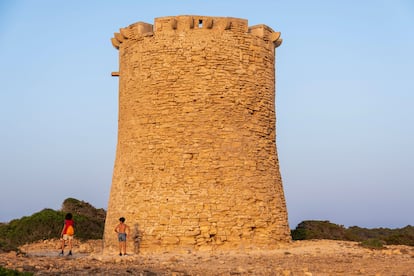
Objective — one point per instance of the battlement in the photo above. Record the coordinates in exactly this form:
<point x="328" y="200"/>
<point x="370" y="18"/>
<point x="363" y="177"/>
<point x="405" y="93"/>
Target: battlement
<point x="184" y="23"/>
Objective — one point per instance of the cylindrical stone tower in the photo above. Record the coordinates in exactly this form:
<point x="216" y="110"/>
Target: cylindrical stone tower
<point x="196" y="163"/>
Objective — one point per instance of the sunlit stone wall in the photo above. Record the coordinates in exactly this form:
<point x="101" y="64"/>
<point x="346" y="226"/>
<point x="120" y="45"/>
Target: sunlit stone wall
<point x="196" y="162"/>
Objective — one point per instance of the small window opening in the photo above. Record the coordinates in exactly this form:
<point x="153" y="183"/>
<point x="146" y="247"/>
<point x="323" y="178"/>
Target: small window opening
<point x="200" y="23"/>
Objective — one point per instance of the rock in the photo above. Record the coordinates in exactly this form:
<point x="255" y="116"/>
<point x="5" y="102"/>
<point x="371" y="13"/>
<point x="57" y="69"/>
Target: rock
<point x="286" y="272"/>
<point x="397" y="252"/>
<point x="241" y="270"/>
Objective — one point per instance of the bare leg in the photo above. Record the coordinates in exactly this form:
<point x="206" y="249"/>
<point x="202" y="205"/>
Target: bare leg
<point x="62" y="246"/>
<point x="70" y="246"/>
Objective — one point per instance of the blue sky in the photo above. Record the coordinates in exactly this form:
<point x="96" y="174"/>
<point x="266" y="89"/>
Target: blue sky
<point x="344" y="97"/>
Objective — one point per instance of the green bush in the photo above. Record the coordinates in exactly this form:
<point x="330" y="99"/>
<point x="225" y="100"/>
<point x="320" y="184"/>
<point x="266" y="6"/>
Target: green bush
<point x="373" y="244"/>
<point x="41" y="225"/>
<point x="313" y="229"/>
<point x="300" y="234"/>
<point x="48" y="223"/>
<point x="406" y="239"/>
<point x="9" y="272"/>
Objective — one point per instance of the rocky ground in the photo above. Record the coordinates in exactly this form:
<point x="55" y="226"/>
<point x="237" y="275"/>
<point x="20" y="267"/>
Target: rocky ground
<point x="319" y="257"/>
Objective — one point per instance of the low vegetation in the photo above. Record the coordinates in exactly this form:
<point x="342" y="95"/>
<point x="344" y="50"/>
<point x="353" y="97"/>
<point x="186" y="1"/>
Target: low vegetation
<point x="10" y="272"/>
<point x="373" y="244"/>
<point x="371" y="238"/>
<point x="48" y="223"/>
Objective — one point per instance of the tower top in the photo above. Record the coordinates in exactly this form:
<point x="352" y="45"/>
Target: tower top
<point x="184" y="23"/>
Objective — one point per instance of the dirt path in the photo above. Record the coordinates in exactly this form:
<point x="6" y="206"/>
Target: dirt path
<point x="321" y="257"/>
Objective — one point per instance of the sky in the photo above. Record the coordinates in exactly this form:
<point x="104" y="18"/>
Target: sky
<point x="344" y="102"/>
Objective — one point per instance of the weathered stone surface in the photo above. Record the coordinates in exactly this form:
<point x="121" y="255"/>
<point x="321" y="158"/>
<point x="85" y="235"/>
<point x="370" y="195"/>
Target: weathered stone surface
<point x="316" y="257"/>
<point x="196" y="163"/>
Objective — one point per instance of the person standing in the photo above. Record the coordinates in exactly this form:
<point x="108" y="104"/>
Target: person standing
<point x="67" y="233"/>
<point x="122" y="229"/>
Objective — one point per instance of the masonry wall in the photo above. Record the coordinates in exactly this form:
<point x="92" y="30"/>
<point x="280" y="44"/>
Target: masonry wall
<point x="196" y="162"/>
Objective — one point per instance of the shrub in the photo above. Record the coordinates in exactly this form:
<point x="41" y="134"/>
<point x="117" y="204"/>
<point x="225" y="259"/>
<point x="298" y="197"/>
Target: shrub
<point x="48" y="223"/>
<point x="373" y="244"/>
<point x="9" y="272"/>
<point x="312" y="229"/>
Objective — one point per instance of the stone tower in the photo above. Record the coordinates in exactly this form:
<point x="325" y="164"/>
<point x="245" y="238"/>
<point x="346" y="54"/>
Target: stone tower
<point x="196" y="162"/>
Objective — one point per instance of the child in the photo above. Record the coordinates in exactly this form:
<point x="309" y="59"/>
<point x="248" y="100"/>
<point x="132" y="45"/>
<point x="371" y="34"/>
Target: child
<point x="67" y="233"/>
<point x="122" y="229"/>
